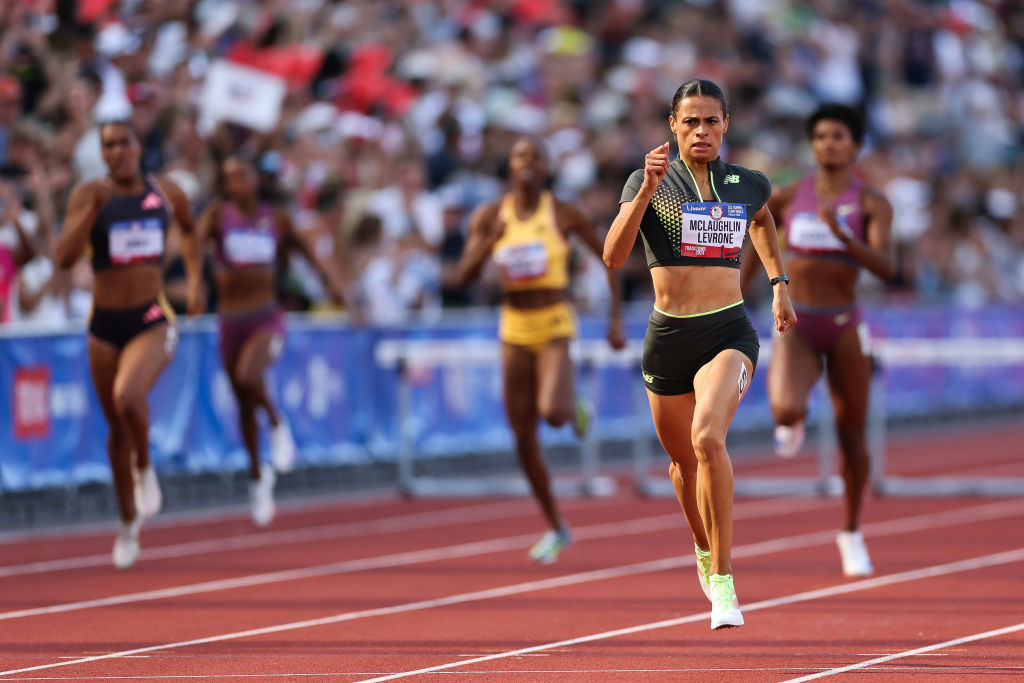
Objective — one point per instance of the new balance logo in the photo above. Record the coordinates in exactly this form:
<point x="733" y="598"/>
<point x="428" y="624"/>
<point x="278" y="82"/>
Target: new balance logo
<point x="731" y="179"/>
<point x="152" y="201"/>
<point x="647" y="378"/>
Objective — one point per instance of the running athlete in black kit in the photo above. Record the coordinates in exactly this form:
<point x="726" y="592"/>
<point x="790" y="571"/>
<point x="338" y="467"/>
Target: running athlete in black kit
<point x="122" y="220"/>
<point x="700" y="349"/>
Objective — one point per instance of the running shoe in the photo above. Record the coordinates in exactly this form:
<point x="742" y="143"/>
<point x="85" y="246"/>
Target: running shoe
<point x="283" y="452"/>
<point x="703" y="569"/>
<point x="148" y="498"/>
<point x="581" y="419"/>
<point x="553" y="542"/>
<point x="126" y="543"/>
<point x="856" y="561"/>
<point x="261" y="497"/>
<point x="725" y="607"/>
<point x="789" y="439"/>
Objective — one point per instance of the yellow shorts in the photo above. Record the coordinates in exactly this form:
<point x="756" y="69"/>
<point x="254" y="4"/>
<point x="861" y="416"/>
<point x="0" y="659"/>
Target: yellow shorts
<point x="533" y="328"/>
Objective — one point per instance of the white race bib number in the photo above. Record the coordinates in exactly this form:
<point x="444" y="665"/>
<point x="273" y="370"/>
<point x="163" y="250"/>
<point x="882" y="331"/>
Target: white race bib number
<point x="247" y="246"/>
<point x="522" y="261"/>
<point x="807" y="231"/>
<point x="713" y="230"/>
<point x="135" y="241"/>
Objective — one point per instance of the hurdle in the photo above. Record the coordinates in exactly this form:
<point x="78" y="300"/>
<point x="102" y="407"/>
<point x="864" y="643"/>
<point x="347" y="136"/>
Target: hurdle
<point x="408" y="355"/>
<point x="919" y="352"/>
<point x="963" y="352"/>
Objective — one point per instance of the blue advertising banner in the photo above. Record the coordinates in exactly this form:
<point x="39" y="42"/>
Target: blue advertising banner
<point x="343" y="401"/>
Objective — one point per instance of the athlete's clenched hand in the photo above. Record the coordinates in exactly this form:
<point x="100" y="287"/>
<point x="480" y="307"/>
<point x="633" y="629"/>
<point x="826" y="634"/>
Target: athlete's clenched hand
<point x="655" y="167"/>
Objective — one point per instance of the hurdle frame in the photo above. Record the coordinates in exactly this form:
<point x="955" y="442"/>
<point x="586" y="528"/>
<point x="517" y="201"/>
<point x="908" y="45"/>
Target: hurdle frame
<point x="404" y="355"/>
<point x="592" y="353"/>
<point x="982" y="352"/>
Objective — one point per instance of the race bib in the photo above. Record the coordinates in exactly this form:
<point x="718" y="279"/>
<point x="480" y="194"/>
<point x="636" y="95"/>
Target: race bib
<point x="522" y="261"/>
<point x="248" y="246"/>
<point x="713" y="230"/>
<point x="136" y="240"/>
<point x="807" y="231"/>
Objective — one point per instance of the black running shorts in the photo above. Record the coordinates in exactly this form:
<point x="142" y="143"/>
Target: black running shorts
<point x="676" y="348"/>
<point x="117" y="327"/>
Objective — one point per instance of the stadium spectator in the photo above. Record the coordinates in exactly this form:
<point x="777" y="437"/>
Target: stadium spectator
<point x="377" y="97"/>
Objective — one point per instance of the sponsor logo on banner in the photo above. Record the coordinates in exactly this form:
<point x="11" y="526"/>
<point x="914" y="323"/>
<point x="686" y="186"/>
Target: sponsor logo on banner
<point x="31" y="402"/>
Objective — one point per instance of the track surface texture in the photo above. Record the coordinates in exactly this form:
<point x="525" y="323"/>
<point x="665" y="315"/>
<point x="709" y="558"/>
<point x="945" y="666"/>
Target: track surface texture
<point x="388" y="589"/>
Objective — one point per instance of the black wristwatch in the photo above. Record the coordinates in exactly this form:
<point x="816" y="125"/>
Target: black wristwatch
<point x="782" y="278"/>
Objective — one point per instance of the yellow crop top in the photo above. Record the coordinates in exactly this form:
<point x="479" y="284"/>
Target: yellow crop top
<point x="533" y="253"/>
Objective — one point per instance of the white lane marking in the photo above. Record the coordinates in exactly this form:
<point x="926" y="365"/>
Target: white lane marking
<point x="910" y="653"/>
<point x="1007" y="557"/>
<point x="515" y="589"/>
<point x="321" y="504"/>
<point x="422" y="520"/>
<point x="324" y="503"/>
<point x="594" y="531"/>
<point x="965" y="670"/>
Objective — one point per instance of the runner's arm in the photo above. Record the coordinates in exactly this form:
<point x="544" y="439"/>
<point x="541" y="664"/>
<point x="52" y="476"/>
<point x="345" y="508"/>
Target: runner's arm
<point x="328" y="273"/>
<point x="876" y="252"/>
<point x="764" y="237"/>
<point x="577" y="222"/>
<point x="483" y="235"/>
<point x="83" y="208"/>
<point x="190" y="252"/>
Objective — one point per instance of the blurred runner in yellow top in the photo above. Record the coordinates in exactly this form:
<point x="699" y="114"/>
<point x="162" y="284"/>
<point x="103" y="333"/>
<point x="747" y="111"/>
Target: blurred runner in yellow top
<point x="526" y="233"/>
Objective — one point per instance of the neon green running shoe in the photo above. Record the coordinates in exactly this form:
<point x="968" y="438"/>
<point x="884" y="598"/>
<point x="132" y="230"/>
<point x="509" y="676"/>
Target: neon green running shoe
<point x="725" y="607"/>
<point x="703" y="569"/>
<point x="553" y="542"/>
<point x="581" y="420"/>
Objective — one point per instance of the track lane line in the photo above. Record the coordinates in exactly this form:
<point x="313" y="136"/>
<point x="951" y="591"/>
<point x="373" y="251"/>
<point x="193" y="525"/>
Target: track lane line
<point x="468" y="514"/>
<point x="591" y="532"/>
<point x="587" y="532"/>
<point x="774" y="545"/>
<point x="910" y="653"/>
<point x="397" y="523"/>
<point x="982" y="562"/>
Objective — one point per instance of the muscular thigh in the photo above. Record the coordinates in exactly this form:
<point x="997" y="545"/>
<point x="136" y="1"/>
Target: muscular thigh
<point x="144" y="358"/>
<point x="555" y="377"/>
<point x="792" y="372"/>
<point x="520" y="378"/>
<point x="103" y="368"/>
<point x="849" y="378"/>
<point x="258" y="352"/>
<point x="673" y="419"/>
<point x="718" y="387"/>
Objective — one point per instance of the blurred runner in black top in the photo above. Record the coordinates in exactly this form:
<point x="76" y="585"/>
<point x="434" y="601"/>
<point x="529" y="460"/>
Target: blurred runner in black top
<point x="122" y="221"/>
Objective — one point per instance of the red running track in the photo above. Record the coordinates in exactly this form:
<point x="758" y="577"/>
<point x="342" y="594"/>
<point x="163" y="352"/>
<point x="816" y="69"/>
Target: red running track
<point x="389" y="590"/>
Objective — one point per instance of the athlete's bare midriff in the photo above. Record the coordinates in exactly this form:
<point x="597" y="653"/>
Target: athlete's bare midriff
<point x="821" y="282"/>
<point x="686" y="290"/>
<point x="534" y="298"/>
<point x="127" y="286"/>
<point x="245" y="289"/>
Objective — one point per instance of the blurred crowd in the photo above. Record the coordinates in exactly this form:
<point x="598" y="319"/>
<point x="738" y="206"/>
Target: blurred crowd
<point x="383" y="123"/>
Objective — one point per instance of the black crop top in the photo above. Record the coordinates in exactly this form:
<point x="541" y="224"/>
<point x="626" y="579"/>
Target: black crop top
<point x="679" y="229"/>
<point x="130" y="229"/>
